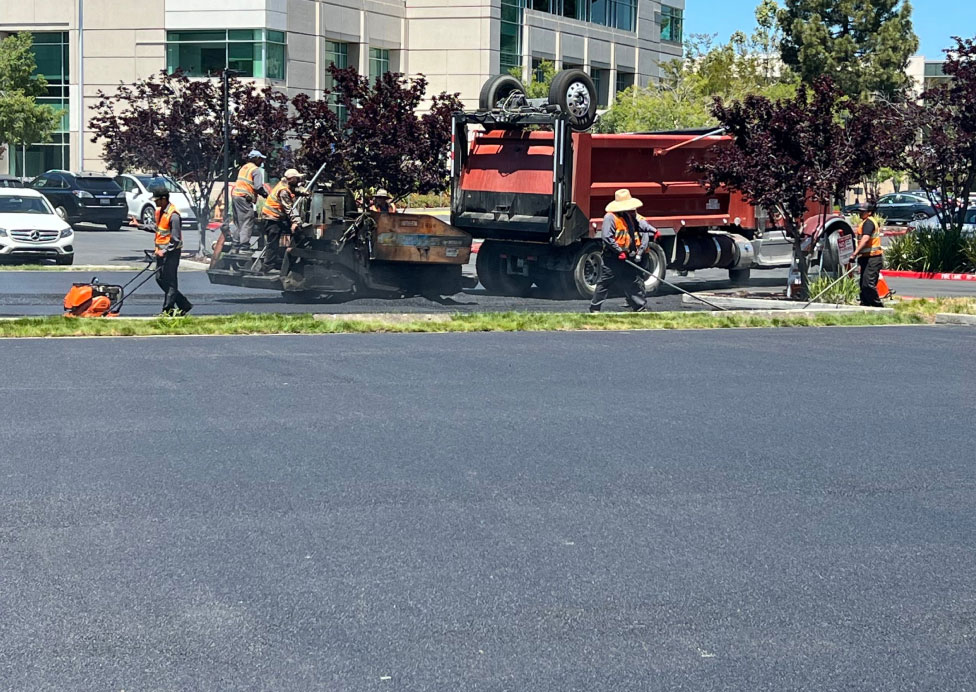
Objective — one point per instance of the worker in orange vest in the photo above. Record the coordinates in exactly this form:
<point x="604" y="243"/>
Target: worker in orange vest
<point x="869" y="254"/>
<point x="626" y="236"/>
<point x="382" y="203"/>
<point x="247" y="189"/>
<point x="169" y="243"/>
<point x="280" y="216"/>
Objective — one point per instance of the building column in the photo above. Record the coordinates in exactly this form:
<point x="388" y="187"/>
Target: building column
<point x="612" y="86"/>
<point x="363" y="66"/>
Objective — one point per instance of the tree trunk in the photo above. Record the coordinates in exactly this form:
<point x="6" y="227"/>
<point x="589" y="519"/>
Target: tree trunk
<point x="801" y="265"/>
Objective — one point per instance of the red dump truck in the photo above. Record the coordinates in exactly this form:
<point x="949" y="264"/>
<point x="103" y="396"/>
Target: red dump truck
<point x="535" y="190"/>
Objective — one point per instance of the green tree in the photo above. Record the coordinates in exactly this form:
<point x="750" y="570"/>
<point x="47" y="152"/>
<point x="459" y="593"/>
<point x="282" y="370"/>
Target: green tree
<point x="863" y="45"/>
<point x="537" y="86"/>
<point x="684" y="95"/>
<point x="22" y="120"/>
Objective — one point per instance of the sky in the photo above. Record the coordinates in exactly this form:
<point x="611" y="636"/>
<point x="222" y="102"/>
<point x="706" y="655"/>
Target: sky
<point x="935" y="20"/>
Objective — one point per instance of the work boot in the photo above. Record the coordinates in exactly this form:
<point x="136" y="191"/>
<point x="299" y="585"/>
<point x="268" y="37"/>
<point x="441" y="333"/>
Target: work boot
<point x="179" y="312"/>
<point x="594" y="309"/>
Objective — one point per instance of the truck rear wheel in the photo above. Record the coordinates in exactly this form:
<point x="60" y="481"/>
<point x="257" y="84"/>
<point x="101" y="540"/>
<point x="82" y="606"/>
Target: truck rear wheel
<point x="497" y="90"/>
<point x="587" y="265"/>
<point x="492" y="274"/>
<point x="657" y="265"/>
<point x="486" y="265"/>
<point x="738" y="277"/>
<point x="575" y="94"/>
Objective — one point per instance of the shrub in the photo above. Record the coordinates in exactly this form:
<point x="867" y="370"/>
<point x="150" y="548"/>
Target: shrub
<point x="845" y="292"/>
<point x="428" y="201"/>
<point x="932" y="250"/>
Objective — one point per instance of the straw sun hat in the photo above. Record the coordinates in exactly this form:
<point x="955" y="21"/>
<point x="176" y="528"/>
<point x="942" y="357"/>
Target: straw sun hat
<point x="622" y="201"/>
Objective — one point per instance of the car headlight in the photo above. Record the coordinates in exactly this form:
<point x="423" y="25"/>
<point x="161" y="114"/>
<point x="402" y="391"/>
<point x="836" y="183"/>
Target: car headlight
<point x="3" y="232"/>
<point x="66" y="233"/>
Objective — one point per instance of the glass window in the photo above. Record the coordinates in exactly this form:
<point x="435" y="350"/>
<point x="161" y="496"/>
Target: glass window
<point x="151" y="182"/>
<point x="379" y="62"/>
<point x="598" y="12"/>
<point x="624" y="14"/>
<point x="22" y="205"/>
<point x="336" y="54"/>
<point x="256" y="53"/>
<point x="510" y="36"/>
<point x="540" y="5"/>
<point x="672" y="24"/>
<point x="624" y="80"/>
<point x="600" y="82"/>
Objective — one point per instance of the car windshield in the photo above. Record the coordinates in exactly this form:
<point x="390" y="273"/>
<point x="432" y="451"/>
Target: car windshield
<point x="150" y="182"/>
<point x="23" y="205"/>
<point x="95" y="183"/>
<point x="971" y="216"/>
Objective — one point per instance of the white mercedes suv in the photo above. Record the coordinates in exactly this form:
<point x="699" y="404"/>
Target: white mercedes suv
<point x="31" y="230"/>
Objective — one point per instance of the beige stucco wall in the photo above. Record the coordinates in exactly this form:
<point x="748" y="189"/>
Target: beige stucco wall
<point x="454" y="43"/>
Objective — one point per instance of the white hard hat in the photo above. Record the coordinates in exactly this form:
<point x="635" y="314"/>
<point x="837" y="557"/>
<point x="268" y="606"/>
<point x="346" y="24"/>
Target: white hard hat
<point x="255" y="154"/>
<point x="381" y="193"/>
<point x="292" y="173"/>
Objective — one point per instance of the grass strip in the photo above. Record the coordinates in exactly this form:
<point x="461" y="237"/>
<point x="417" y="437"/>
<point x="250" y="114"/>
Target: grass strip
<point x="931" y="306"/>
<point x="247" y="323"/>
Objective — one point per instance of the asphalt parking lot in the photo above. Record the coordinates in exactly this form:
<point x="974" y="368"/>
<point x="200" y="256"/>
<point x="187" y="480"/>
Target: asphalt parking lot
<point x="490" y="512"/>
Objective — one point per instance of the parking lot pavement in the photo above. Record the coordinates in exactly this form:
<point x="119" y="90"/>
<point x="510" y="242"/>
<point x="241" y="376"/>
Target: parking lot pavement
<point x="598" y="512"/>
<point x="95" y="245"/>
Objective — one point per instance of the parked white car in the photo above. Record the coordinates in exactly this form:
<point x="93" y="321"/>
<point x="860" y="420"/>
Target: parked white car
<point x="31" y="230"/>
<point x="139" y="198"/>
<point x="968" y="228"/>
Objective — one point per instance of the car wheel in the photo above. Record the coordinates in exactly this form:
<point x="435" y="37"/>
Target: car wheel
<point x="501" y="90"/>
<point x="148" y="215"/>
<point x="575" y="94"/>
<point x="114" y="226"/>
<point x="65" y="260"/>
<point x="919" y="216"/>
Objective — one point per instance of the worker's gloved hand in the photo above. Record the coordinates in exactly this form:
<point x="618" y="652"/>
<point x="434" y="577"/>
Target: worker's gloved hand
<point x="637" y="257"/>
<point x="622" y="256"/>
<point x="633" y="255"/>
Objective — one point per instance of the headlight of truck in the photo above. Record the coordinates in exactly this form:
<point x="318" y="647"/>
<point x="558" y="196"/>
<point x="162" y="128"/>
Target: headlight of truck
<point x="66" y="233"/>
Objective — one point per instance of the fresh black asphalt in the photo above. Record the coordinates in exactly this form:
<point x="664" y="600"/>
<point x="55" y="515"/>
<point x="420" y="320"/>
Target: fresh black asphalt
<point x="42" y="293"/>
<point x="726" y="510"/>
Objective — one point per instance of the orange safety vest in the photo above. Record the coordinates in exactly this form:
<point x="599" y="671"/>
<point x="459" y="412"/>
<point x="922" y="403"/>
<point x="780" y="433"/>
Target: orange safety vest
<point x="164" y="226"/>
<point x="273" y="209"/>
<point x="244" y="187"/>
<point x="622" y="234"/>
<point x="873" y="248"/>
<point x="390" y="208"/>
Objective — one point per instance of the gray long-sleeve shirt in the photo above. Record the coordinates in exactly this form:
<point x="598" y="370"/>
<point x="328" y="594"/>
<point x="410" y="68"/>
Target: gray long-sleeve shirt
<point x="609" y="234"/>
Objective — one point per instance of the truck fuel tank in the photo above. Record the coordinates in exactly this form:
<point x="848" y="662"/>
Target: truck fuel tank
<point x="704" y="250"/>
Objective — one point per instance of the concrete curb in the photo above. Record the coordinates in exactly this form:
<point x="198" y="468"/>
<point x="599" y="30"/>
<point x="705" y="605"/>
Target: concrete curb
<point x="932" y="276"/>
<point x="777" y="305"/>
<point x="953" y="318"/>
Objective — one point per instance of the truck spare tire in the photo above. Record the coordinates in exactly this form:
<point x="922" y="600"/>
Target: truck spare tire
<point x="497" y="90"/>
<point x="575" y="94"/>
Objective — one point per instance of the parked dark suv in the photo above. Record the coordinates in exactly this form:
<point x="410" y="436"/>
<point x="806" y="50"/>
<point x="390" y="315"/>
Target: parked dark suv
<point x="84" y="197"/>
<point x="10" y="181"/>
